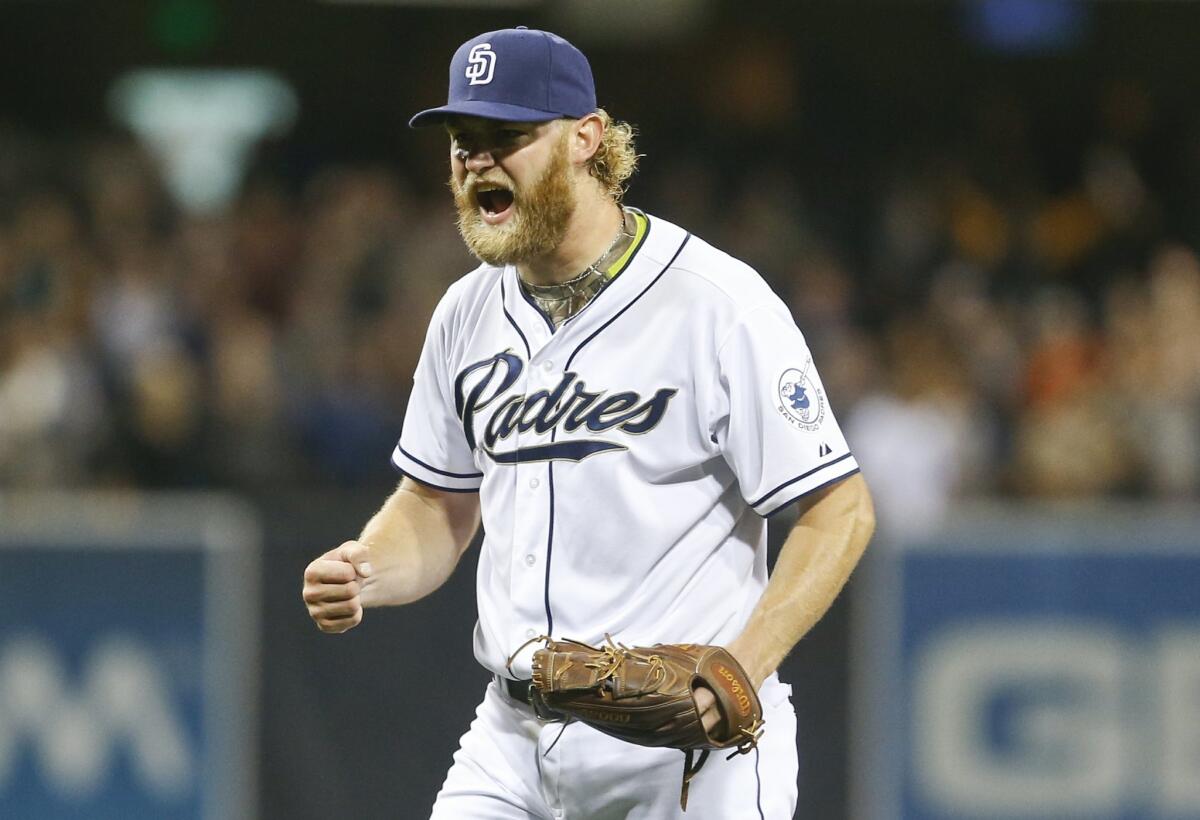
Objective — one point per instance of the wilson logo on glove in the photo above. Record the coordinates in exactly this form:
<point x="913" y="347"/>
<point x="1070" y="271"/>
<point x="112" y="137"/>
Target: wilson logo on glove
<point x="736" y="690"/>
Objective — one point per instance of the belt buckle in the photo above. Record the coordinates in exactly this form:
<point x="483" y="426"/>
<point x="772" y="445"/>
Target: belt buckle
<point x="540" y="710"/>
<point x="531" y="698"/>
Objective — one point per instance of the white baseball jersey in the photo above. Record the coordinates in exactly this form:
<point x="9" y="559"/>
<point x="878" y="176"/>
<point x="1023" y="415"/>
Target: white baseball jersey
<point x="625" y="461"/>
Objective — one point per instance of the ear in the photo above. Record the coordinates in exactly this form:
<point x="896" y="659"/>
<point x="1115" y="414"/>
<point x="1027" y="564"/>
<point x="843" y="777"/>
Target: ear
<point x="584" y="137"/>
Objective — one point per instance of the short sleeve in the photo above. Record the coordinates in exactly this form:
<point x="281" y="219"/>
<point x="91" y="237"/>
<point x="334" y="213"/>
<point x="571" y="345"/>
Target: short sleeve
<point x="772" y="419"/>
<point x="433" y="448"/>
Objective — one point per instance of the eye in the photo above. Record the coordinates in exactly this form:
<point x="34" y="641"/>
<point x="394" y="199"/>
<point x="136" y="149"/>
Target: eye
<point x="509" y="137"/>
<point x="501" y="138"/>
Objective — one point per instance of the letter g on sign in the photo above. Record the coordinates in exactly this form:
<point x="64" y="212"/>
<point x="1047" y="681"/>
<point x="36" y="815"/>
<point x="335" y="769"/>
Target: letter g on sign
<point x="481" y="62"/>
<point x="1021" y="717"/>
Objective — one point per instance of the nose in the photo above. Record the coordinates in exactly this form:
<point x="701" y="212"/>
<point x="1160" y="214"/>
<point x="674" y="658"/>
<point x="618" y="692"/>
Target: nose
<point x="475" y="161"/>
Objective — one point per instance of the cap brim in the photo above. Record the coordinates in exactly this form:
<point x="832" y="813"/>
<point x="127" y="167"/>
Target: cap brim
<point x="481" y="108"/>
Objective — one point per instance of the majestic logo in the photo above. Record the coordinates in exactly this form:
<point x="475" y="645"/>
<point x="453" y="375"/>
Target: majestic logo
<point x="568" y="406"/>
<point x="801" y="402"/>
<point x="481" y="63"/>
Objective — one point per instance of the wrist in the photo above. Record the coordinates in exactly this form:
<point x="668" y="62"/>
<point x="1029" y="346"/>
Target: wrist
<point x="757" y="668"/>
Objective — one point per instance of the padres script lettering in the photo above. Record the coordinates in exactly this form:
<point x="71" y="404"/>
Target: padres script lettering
<point x="568" y="406"/>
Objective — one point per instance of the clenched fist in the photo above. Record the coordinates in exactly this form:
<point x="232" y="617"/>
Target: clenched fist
<point x="333" y="587"/>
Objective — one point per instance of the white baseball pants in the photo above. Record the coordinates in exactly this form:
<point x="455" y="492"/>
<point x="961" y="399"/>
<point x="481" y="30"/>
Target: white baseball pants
<point x="510" y="767"/>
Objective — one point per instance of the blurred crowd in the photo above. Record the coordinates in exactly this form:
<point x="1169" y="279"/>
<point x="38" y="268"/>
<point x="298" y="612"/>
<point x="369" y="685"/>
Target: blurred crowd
<point x="270" y="344"/>
<point x="993" y="320"/>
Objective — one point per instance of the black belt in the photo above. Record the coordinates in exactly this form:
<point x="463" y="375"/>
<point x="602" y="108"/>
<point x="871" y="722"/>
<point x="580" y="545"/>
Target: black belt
<point x="522" y="692"/>
<point x="517" y="689"/>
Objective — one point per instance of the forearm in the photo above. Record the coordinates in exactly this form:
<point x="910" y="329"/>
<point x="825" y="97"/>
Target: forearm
<point x="813" y="565"/>
<point x="415" y="541"/>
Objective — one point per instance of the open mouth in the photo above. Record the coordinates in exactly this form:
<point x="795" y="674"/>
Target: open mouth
<point x="494" y="201"/>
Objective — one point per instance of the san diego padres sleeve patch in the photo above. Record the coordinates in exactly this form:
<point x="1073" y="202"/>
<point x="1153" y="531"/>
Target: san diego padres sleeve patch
<point x="800" y="401"/>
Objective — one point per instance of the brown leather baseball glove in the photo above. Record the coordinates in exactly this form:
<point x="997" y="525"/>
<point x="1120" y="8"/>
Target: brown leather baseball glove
<point x="645" y="695"/>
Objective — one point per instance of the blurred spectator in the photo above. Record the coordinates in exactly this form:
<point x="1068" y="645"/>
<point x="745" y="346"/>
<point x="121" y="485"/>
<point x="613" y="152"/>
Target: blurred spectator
<point x="919" y="433"/>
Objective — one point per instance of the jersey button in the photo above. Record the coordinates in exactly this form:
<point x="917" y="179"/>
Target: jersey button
<point x="547" y="365"/>
<point x="530" y="560"/>
<point x="533" y="482"/>
<point x="530" y="633"/>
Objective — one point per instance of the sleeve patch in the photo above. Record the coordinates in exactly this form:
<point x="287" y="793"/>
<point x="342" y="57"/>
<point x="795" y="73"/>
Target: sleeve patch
<point x="799" y="399"/>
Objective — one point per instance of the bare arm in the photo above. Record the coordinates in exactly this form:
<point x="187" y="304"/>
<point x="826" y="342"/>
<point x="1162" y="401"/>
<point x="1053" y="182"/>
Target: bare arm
<point x="415" y="541"/>
<point x="406" y="551"/>
<point x="817" y="558"/>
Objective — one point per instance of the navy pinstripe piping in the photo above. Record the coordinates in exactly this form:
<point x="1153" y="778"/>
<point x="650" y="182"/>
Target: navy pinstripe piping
<point x="512" y="321"/>
<point x="550" y="548"/>
<point x="538" y="308"/>
<point x="428" y="483"/>
<point x="550" y="323"/>
<point x="801" y="477"/>
<point x="798" y="496"/>
<point x="550" y="538"/>
<point x="433" y="469"/>
<point x="632" y="301"/>
<point x="636" y="248"/>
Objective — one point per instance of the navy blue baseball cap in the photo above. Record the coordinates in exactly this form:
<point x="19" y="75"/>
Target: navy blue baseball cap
<point x="516" y="74"/>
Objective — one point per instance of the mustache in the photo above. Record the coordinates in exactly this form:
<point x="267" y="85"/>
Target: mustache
<point x="472" y="182"/>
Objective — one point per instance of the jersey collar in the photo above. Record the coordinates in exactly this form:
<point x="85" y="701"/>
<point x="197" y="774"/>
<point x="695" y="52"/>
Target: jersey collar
<point x="655" y="242"/>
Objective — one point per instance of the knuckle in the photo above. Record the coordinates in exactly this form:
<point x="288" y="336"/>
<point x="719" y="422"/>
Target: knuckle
<point x="333" y="624"/>
<point x="341" y="609"/>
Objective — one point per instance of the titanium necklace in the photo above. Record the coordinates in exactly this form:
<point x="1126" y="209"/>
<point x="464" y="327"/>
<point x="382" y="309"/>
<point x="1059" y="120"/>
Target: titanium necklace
<point x="563" y="300"/>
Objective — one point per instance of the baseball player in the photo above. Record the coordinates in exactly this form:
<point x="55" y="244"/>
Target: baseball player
<point x="625" y="405"/>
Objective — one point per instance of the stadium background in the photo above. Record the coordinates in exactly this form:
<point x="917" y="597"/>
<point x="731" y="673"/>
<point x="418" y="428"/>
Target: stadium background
<point x="982" y="214"/>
